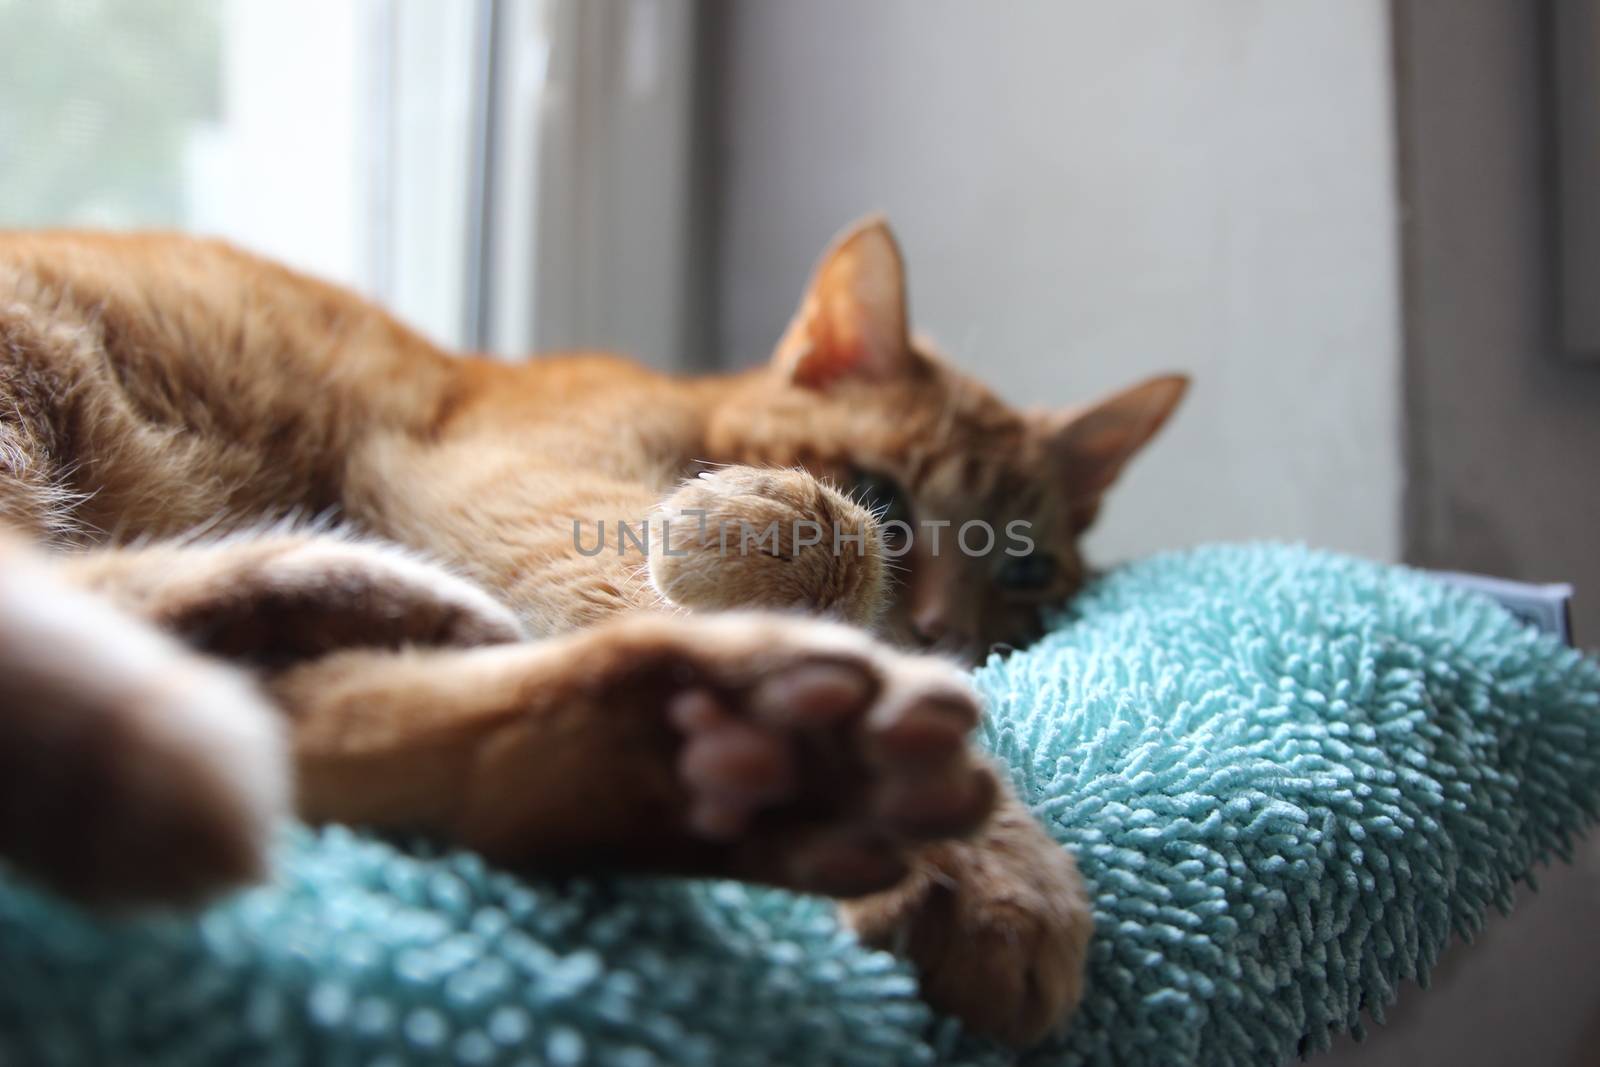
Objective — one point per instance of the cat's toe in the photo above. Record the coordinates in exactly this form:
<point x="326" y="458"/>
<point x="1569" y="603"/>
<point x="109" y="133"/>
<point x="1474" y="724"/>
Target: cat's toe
<point x="932" y="784"/>
<point x="768" y="751"/>
<point x="813" y="695"/>
<point x="826" y="769"/>
<point x="732" y="768"/>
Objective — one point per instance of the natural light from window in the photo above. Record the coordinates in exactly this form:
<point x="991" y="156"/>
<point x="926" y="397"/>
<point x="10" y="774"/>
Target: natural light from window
<point x="335" y="136"/>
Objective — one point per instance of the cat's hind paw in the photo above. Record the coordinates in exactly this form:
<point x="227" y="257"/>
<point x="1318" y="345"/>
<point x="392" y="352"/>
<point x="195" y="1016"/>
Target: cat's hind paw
<point x="131" y="771"/>
<point x="826" y="770"/>
<point x="998" y="926"/>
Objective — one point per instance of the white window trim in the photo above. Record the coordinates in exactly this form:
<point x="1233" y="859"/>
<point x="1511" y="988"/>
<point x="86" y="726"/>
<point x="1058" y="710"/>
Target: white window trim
<point x="588" y="178"/>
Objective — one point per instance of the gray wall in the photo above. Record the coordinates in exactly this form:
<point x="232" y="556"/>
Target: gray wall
<point x="1089" y="192"/>
<point x="1502" y="442"/>
<point x="1503" y="432"/>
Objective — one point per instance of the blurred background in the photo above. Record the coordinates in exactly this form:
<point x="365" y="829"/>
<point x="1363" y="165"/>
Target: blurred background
<point x="1340" y="218"/>
<point x="1365" y="228"/>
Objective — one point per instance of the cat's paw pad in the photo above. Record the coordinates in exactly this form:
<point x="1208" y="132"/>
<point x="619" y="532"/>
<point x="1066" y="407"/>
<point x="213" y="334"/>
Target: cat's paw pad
<point x="826" y="771"/>
<point x="748" y="537"/>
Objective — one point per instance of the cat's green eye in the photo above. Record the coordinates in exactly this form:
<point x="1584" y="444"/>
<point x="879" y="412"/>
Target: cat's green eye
<point x="1027" y="574"/>
<point x="883" y="496"/>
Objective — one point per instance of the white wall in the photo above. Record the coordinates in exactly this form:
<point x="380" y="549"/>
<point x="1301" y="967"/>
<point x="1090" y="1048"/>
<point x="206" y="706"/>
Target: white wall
<point x="1503" y="425"/>
<point x="342" y="147"/>
<point x="1089" y="192"/>
<point x="283" y="170"/>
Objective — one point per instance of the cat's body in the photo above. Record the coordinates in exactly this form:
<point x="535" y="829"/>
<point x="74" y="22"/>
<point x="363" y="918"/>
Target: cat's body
<point x="152" y="387"/>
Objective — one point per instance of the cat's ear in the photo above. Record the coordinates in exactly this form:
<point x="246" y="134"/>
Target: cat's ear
<point x="1097" y="441"/>
<point x="852" y="320"/>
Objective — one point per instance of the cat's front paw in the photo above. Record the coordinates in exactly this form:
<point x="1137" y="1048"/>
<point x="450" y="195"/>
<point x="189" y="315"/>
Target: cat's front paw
<point x="998" y="927"/>
<point x="748" y="537"/>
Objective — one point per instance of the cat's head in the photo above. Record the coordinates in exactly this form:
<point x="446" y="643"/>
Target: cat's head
<point x="995" y="498"/>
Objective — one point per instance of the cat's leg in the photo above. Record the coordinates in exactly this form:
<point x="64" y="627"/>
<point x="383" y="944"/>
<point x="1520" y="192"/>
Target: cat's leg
<point x="998" y="924"/>
<point x="131" y="769"/>
<point x="1014" y="896"/>
<point x="766" y="748"/>
<point x="751" y="537"/>
<point x="284" y="597"/>
<point x="569" y="551"/>
<point x="560" y="543"/>
<point x="772" y="749"/>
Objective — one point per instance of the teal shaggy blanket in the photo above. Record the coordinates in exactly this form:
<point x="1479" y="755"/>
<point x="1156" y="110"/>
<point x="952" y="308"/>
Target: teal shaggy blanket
<point x="1289" y="777"/>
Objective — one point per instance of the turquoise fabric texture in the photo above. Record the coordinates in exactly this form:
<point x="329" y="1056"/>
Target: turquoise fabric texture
<point x="1289" y="776"/>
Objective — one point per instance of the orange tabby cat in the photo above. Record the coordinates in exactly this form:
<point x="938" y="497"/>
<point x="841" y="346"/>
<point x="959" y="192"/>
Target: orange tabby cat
<point x="167" y="404"/>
